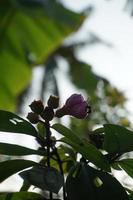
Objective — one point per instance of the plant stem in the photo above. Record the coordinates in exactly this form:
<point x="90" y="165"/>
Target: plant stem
<point x="48" y="134"/>
<point x="61" y="170"/>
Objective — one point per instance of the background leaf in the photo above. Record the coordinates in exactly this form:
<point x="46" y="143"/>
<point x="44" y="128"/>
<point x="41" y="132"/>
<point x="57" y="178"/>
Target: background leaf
<point x="44" y="177"/>
<point x="21" y="196"/>
<point x="80" y="73"/>
<point x="27" y="37"/>
<point x="131" y="196"/>
<point x="118" y="139"/>
<point x="67" y="156"/>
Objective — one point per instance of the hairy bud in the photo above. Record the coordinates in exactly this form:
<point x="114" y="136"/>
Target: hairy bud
<point x="47" y="114"/>
<point x="53" y="102"/>
<point x="33" y="117"/>
<point x="37" y="106"/>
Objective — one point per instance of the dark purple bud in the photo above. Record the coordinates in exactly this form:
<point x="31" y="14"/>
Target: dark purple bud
<point x="47" y="114"/>
<point x="75" y="106"/>
<point x="37" y="106"/>
<point x="33" y="117"/>
<point x="53" y="102"/>
<point x="60" y="112"/>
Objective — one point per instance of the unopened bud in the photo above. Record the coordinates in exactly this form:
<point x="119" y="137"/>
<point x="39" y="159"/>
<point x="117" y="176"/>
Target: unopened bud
<point x="53" y="102"/>
<point x="47" y="114"/>
<point x="33" y="117"/>
<point x="37" y="106"/>
<point x="59" y="113"/>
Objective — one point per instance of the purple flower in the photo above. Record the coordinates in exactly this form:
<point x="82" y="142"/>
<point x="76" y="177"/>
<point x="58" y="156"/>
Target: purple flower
<point x="75" y="106"/>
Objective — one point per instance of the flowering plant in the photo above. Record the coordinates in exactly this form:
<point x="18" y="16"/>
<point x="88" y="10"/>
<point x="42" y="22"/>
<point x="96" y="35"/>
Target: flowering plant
<point x="79" y="167"/>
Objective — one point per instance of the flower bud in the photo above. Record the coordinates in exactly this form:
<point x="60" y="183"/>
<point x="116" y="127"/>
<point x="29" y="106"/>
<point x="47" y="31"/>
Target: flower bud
<point x="37" y="106"/>
<point x="60" y="112"/>
<point x="47" y="114"/>
<point x="75" y="106"/>
<point x="53" y="102"/>
<point x="33" y="117"/>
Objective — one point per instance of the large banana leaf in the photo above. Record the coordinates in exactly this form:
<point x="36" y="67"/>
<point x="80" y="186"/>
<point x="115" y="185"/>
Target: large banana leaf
<point x="29" y="32"/>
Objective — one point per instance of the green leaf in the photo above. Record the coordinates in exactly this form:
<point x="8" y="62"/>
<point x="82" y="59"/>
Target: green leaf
<point x="67" y="133"/>
<point x="10" y="167"/>
<point x="87" y="150"/>
<point x="27" y="37"/>
<point x="85" y="182"/>
<point x="127" y="166"/>
<point x="117" y="139"/>
<point x="67" y="157"/>
<point x="21" y="196"/>
<point x="44" y="177"/>
<point x="70" y="153"/>
<point x="41" y="130"/>
<point x="116" y="166"/>
<point x="16" y="150"/>
<point x="9" y="122"/>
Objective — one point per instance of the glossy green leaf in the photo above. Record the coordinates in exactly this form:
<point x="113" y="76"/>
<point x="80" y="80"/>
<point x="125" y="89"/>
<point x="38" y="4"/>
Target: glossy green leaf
<point x="88" y="151"/>
<point x="21" y="196"/>
<point x="16" y="150"/>
<point x="10" y="167"/>
<point x="85" y="182"/>
<point x="44" y="177"/>
<point x="117" y="139"/>
<point x="9" y="122"/>
<point x="127" y="165"/>
<point x="27" y="37"/>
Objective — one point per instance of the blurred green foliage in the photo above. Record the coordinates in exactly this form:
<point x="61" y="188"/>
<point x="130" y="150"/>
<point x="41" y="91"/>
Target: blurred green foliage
<point x="33" y="32"/>
<point x="29" y="32"/>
